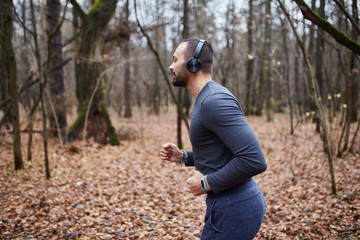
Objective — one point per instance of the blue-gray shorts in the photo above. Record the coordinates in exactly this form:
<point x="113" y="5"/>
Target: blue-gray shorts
<point x="234" y="214"/>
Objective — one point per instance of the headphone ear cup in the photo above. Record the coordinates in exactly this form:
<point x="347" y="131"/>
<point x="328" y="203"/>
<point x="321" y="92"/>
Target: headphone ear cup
<point x="193" y="65"/>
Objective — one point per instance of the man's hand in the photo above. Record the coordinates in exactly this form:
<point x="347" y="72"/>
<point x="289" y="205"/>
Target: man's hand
<point x="194" y="184"/>
<point x="170" y="152"/>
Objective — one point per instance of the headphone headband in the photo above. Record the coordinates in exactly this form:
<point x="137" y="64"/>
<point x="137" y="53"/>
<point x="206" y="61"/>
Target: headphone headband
<point x="198" y="48"/>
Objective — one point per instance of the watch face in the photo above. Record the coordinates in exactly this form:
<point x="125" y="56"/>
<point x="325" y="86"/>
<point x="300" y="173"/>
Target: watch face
<point x="202" y="184"/>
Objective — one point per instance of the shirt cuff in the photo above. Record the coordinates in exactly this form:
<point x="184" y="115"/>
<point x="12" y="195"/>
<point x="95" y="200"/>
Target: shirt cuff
<point x="190" y="161"/>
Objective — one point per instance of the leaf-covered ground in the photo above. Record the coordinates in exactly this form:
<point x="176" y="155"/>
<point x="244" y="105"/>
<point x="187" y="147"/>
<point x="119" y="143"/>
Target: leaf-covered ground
<point x="127" y="192"/>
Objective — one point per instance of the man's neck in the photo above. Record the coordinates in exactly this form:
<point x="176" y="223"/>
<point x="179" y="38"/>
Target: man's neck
<point x="197" y="83"/>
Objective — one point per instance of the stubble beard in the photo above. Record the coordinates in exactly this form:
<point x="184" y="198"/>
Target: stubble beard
<point x="180" y="79"/>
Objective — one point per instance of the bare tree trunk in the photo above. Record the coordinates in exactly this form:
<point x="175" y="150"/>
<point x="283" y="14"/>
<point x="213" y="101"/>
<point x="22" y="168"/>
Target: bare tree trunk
<point x="9" y="72"/>
<point x="233" y="71"/>
<point x="29" y="153"/>
<point x="353" y="65"/>
<point x="328" y="89"/>
<point x="346" y="128"/>
<point x="56" y="81"/>
<point x="127" y="89"/>
<point x="268" y="31"/>
<point x="155" y="87"/>
<point x="179" y="122"/>
<point x="42" y="85"/>
<point x="320" y="44"/>
<point x="297" y="94"/>
<point x="127" y="73"/>
<point x="351" y="149"/>
<point x="4" y="80"/>
<point x="185" y="34"/>
<point x="265" y="64"/>
<point x="339" y="79"/>
<point x="287" y="74"/>
<point x="315" y="95"/>
<point x="250" y="60"/>
<point x="309" y="104"/>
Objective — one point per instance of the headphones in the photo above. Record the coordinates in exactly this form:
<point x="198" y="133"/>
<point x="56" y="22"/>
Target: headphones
<point x="194" y="64"/>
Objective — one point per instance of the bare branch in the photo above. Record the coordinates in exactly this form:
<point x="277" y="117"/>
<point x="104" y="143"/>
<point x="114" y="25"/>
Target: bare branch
<point x="338" y="35"/>
<point x="79" y="9"/>
<point x="355" y="25"/>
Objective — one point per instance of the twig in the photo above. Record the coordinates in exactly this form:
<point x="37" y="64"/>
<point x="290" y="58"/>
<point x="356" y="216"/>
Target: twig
<point x="347" y="230"/>
<point x="55" y="117"/>
<point x="89" y="104"/>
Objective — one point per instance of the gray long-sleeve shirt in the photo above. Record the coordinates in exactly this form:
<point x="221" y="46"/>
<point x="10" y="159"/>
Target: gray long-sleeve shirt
<point x="224" y="146"/>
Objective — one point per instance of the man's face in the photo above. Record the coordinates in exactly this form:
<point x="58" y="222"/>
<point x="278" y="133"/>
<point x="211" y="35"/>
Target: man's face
<point x="178" y="67"/>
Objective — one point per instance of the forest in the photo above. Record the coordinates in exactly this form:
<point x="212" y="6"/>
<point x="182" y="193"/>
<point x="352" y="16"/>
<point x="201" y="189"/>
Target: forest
<point x="86" y="102"/>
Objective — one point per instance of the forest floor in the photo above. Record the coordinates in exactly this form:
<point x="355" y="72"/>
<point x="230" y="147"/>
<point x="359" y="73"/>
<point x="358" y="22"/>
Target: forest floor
<point x="126" y="192"/>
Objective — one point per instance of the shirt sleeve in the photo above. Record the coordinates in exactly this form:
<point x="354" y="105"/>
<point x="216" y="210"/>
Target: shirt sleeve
<point x="190" y="161"/>
<point x="221" y="113"/>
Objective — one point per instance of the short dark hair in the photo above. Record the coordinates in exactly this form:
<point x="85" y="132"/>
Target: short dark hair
<point x="206" y="54"/>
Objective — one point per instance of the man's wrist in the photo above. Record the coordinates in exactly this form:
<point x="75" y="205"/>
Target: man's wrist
<point x="184" y="158"/>
<point x="207" y="184"/>
<point x="204" y="184"/>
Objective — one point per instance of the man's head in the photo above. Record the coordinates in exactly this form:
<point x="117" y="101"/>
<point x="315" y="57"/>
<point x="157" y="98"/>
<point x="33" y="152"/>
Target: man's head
<point x="185" y="51"/>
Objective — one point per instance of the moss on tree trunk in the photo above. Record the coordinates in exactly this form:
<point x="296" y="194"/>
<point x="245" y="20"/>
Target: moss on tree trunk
<point x="88" y="69"/>
<point x="99" y="127"/>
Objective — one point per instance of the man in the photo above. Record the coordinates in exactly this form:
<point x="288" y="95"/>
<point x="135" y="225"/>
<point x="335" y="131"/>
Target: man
<point x="226" y="152"/>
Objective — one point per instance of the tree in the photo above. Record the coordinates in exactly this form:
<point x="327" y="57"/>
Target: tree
<point x="315" y="94"/>
<point x="127" y="73"/>
<point x="250" y="59"/>
<point x="265" y="64"/>
<point x="353" y="68"/>
<point x="56" y="81"/>
<point x="9" y="73"/>
<point x="320" y="44"/>
<point x="287" y="72"/>
<point x="88" y="73"/>
<point x="4" y="90"/>
<point x="42" y="84"/>
<point x="185" y="34"/>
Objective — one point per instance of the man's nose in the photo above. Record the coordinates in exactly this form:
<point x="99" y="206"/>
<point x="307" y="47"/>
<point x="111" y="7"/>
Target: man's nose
<point x="171" y="67"/>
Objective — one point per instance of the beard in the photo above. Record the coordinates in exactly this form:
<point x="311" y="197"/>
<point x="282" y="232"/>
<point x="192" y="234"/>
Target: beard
<point x="180" y="79"/>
